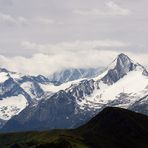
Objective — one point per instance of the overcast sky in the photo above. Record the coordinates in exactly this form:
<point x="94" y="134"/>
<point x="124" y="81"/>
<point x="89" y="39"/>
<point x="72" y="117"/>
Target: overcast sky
<point x="42" y="36"/>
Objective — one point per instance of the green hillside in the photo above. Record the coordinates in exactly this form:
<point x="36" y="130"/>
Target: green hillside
<point x="112" y="128"/>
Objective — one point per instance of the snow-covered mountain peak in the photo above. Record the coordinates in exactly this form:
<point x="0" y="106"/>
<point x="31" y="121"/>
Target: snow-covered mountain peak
<point x="123" y="83"/>
<point x="120" y="67"/>
<point x="18" y="91"/>
<point x="3" y="70"/>
<point x="123" y="62"/>
<point x="123" y="56"/>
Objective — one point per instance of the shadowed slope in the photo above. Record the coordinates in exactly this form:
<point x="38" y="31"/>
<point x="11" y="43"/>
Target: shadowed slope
<point x="113" y="127"/>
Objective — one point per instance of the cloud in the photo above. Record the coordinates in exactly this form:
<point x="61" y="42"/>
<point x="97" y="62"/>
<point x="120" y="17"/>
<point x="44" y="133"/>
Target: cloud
<point x="44" y="21"/>
<point x="113" y="9"/>
<point x="6" y="2"/>
<point x="116" y="9"/>
<point x="7" y="19"/>
<point x="48" y="63"/>
<point x="75" y="46"/>
<point x="48" y="58"/>
<point x="93" y="11"/>
<point x="86" y="51"/>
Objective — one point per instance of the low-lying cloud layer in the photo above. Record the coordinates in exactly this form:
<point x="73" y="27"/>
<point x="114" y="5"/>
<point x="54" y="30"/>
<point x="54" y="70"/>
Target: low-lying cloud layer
<point x="46" y="64"/>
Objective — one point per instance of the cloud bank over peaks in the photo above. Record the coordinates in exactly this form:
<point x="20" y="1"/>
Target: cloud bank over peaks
<point x="48" y="63"/>
<point x="49" y="58"/>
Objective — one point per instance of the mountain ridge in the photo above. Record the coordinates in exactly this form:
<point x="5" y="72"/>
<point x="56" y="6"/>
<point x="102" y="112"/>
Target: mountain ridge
<point x="26" y="88"/>
<point x="120" y="86"/>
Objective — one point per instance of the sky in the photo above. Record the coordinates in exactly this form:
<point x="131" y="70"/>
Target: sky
<point x="44" y="36"/>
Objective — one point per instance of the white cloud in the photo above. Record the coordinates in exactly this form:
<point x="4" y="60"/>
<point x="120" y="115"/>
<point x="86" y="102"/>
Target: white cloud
<point x="48" y="63"/>
<point x="22" y="20"/>
<point x="93" y="11"/>
<point x="10" y="20"/>
<point x="117" y="9"/>
<point x="78" y="54"/>
<point x="44" y="21"/>
<point x="70" y="54"/>
<point x="72" y="46"/>
<point x="113" y="9"/>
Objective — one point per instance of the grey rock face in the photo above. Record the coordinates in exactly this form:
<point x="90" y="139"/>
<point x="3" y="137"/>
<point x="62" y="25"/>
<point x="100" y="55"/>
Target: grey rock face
<point x="140" y="106"/>
<point x="83" y="89"/>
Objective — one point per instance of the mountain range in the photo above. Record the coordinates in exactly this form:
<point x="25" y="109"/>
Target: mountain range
<point x="72" y="74"/>
<point x="17" y="90"/>
<point x="37" y="103"/>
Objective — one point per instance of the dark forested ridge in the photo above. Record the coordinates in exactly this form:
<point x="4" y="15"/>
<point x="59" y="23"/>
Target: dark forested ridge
<point x="113" y="127"/>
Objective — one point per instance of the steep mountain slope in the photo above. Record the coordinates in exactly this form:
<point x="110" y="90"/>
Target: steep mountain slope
<point x="74" y="74"/>
<point x="18" y="91"/>
<point x="122" y="85"/>
<point x="141" y="105"/>
<point x="113" y="127"/>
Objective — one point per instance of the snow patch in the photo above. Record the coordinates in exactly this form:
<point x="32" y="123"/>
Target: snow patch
<point x="11" y="106"/>
<point x="53" y="88"/>
<point x="16" y="76"/>
<point x="3" y="77"/>
<point x="134" y="85"/>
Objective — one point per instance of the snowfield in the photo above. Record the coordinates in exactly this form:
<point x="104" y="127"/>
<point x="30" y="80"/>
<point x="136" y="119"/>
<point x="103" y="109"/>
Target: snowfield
<point x="53" y="88"/>
<point x="127" y="90"/>
<point x="12" y="106"/>
<point x="3" y="77"/>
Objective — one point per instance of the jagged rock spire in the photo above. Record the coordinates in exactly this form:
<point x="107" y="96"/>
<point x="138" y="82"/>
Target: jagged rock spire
<point x="122" y="65"/>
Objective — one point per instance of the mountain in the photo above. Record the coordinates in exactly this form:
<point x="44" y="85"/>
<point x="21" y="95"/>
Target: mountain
<point x="141" y="105"/>
<point x="107" y="128"/>
<point x="72" y="74"/>
<point x="123" y="84"/>
<point x="18" y="91"/>
<point x="112" y="127"/>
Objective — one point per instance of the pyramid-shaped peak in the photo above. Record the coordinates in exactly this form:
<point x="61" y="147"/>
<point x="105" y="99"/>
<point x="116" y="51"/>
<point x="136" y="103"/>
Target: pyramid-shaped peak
<point x="123" y="61"/>
<point x="3" y="70"/>
<point x="120" y="67"/>
<point x="123" y="57"/>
